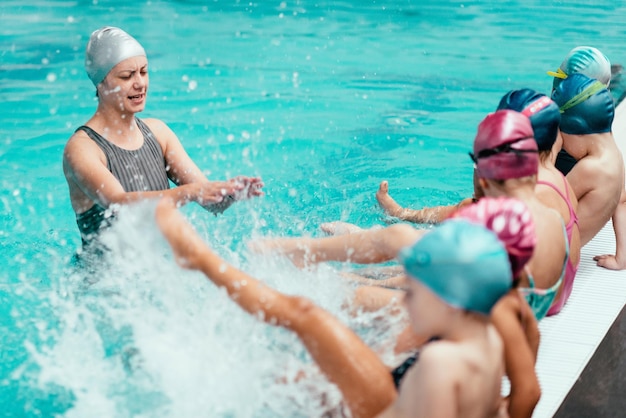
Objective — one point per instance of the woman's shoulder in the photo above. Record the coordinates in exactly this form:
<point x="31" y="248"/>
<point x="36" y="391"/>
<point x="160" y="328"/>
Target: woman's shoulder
<point x="161" y="132"/>
<point x="153" y="123"/>
<point x="79" y="141"/>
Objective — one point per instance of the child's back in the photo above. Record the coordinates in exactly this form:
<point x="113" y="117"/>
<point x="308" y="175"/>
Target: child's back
<point x="598" y="177"/>
<point x="455" y="378"/>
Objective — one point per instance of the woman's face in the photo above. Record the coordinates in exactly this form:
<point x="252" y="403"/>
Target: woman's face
<point x="126" y="85"/>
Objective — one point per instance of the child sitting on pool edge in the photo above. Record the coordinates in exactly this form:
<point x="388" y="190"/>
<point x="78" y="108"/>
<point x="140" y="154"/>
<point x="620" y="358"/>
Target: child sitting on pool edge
<point x="587" y="111"/>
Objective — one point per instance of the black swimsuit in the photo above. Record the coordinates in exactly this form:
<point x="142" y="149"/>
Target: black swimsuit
<point x="398" y="373"/>
<point x="143" y="169"/>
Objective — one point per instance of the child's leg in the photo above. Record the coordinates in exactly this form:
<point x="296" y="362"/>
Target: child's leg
<point x="365" y="247"/>
<point x="362" y="378"/>
<point x="340" y="228"/>
<point x="374" y="298"/>
<point x="386" y="202"/>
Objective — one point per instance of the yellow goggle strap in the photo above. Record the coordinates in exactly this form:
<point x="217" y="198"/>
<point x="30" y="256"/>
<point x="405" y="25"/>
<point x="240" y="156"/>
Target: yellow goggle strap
<point x="558" y="74"/>
<point x="582" y="96"/>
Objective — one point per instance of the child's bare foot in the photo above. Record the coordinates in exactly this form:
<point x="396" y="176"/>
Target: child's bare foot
<point x="386" y="202"/>
<point x="339" y="228"/>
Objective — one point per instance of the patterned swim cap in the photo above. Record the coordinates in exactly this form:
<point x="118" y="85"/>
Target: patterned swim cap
<point x="586" y="105"/>
<point x="511" y="220"/>
<point x="585" y="60"/>
<point x="504" y="147"/>
<point x="107" y="47"/>
<point x="463" y="263"/>
<point x="543" y="113"/>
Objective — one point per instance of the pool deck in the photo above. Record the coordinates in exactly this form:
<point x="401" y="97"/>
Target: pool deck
<point x="582" y="355"/>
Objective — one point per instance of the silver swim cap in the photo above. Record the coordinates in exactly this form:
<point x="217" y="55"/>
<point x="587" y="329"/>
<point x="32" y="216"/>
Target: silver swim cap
<point x="585" y="60"/>
<point x="107" y="47"/>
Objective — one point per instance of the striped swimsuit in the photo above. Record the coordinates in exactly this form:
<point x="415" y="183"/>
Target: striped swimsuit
<point x="137" y="170"/>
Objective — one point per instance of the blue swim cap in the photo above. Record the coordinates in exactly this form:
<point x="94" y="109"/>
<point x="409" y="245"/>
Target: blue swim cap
<point x="586" y="105"/>
<point x="463" y="263"/>
<point x="585" y="60"/>
<point x="543" y="113"/>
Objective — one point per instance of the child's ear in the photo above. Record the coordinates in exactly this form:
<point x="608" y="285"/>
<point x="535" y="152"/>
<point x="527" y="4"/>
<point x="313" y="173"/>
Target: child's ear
<point x="484" y="184"/>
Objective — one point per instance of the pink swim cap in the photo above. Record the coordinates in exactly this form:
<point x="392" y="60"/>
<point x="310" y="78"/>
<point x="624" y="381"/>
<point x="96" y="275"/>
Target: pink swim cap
<point x="511" y="220"/>
<point x="504" y="147"/>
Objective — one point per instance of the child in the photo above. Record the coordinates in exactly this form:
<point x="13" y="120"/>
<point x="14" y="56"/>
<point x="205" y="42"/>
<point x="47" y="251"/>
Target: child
<point x="506" y="157"/>
<point x="598" y="176"/>
<point x="585" y="60"/>
<point x="512" y="222"/>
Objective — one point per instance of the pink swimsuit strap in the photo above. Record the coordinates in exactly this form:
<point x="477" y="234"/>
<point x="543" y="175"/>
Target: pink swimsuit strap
<point x="573" y="219"/>
<point x="570" y="271"/>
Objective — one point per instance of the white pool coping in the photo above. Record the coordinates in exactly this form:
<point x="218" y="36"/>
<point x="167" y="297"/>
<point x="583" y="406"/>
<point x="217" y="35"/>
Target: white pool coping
<point x="569" y="339"/>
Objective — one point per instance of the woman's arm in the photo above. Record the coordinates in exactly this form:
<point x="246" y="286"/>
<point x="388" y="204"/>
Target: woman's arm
<point x="181" y="169"/>
<point x="85" y="167"/>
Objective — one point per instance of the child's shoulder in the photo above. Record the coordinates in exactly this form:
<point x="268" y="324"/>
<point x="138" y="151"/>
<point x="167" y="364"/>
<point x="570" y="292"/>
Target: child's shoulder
<point x="440" y="353"/>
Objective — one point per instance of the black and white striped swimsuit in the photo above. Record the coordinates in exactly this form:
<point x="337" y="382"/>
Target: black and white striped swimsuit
<point x="143" y="169"/>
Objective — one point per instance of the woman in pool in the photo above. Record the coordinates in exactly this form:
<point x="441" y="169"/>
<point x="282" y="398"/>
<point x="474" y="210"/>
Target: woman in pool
<point x="458" y="375"/>
<point x="117" y="158"/>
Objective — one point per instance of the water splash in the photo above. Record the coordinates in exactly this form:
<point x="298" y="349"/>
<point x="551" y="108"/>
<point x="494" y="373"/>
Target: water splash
<point x="136" y="335"/>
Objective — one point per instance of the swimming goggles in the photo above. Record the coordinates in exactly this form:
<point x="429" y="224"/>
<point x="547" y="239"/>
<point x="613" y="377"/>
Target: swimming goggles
<point x="558" y="74"/>
<point x="485" y="153"/>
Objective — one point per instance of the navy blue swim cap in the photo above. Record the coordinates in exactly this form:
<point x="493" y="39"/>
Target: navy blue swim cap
<point x="463" y="263"/>
<point x="586" y="105"/>
<point x="543" y="113"/>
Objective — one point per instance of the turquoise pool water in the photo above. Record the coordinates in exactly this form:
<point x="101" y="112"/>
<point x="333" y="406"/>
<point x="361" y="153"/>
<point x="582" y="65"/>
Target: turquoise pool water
<point x="323" y="99"/>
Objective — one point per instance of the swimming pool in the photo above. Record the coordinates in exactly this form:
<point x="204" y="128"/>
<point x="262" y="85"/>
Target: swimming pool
<point x="322" y="99"/>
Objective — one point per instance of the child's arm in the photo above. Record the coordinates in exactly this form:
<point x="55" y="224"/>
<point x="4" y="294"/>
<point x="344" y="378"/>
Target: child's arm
<point x="617" y="261"/>
<point x="518" y="355"/>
